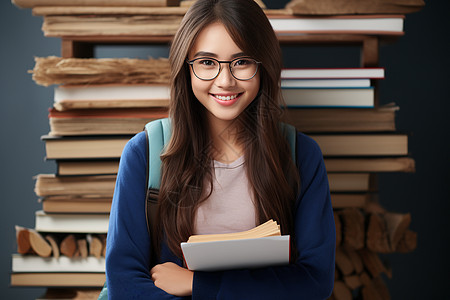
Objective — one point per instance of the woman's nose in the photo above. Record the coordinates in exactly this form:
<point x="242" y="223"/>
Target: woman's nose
<point x="225" y="78"/>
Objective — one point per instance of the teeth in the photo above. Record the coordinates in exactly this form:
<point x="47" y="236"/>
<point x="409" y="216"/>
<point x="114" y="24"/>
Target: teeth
<point x="225" y="98"/>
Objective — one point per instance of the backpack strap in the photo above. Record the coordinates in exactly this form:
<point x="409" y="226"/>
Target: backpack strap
<point x="158" y="135"/>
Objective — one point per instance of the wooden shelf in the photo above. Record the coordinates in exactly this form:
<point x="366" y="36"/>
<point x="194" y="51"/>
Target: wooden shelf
<point x="83" y="46"/>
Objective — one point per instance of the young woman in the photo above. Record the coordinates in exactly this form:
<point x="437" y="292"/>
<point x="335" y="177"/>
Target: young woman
<point x="227" y="168"/>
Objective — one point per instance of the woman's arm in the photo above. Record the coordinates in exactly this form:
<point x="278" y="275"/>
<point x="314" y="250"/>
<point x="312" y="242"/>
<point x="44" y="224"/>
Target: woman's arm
<point x="312" y="275"/>
<point x="128" y="243"/>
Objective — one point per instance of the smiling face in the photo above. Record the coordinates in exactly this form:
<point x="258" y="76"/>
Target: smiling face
<point x="224" y="97"/>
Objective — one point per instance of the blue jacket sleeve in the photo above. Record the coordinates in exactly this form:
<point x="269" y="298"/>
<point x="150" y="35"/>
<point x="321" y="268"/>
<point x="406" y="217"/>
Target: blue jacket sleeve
<point x="128" y="243"/>
<point x="312" y="275"/>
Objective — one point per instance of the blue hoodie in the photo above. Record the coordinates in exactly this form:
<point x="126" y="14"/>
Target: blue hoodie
<point x="128" y="243"/>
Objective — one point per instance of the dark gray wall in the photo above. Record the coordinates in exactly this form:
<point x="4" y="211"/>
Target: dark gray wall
<point x="417" y="76"/>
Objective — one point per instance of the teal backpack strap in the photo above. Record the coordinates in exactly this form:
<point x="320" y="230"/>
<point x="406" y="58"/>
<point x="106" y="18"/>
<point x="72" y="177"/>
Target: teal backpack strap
<point x="158" y="134"/>
<point x="103" y="293"/>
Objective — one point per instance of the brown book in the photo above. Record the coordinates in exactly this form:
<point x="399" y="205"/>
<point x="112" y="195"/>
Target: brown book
<point x="336" y="7"/>
<point x="87" y="167"/>
<point x="101" y="104"/>
<point x="139" y="3"/>
<point x="102" y="121"/>
<point x="342" y="120"/>
<point x="349" y="182"/>
<point x="108" y="10"/>
<point x="71" y="293"/>
<point x="108" y="96"/>
<point x="394" y="144"/>
<point x="93" y="25"/>
<point x="67" y="204"/>
<point x="387" y="164"/>
<point x="93" y="186"/>
<point x="84" y="147"/>
<point x="343" y="200"/>
<point x="58" y="279"/>
<point x="95" y="71"/>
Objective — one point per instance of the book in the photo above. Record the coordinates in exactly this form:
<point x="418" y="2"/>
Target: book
<point x="342" y="24"/>
<point x="140" y="3"/>
<point x="344" y="200"/>
<point x="378" y="144"/>
<point x="349" y="182"/>
<point x="269" y="228"/>
<point x="108" y="10"/>
<point x="89" y="185"/>
<point x="83" y="147"/>
<point x="58" y="279"/>
<point x="73" y="293"/>
<point x="257" y="247"/>
<point x="77" y="204"/>
<point x="385" y="164"/>
<point x="324" y="83"/>
<point x="94" y="25"/>
<point x="380" y="119"/>
<point x="74" y="223"/>
<point x="96" y="71"/>
<point x="34" y="264"/>
<point x="110" y="121"/>
<point x="332" y="73"/>
<point x="330" y="97"/>
<point x="334" y="7"/>
<point x="86" y="167"/>
<point x="107" y="96"/>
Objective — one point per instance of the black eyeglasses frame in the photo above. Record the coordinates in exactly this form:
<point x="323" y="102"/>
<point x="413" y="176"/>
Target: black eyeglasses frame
<point x="191" y="63"/>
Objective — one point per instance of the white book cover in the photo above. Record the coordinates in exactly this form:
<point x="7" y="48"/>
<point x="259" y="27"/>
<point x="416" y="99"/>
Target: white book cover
<point x="237" y="254"/>
<point x="376" y="25"/>
<point x="324" y="83"/>
<point x="35" y="263"/>
<point x="74" y="223"/>
<point x="111" y="92"/>
<point x="332" y="73"/>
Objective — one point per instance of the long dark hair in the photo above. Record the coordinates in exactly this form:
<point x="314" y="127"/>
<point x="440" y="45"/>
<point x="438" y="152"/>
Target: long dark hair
<point x="186" y="162"/>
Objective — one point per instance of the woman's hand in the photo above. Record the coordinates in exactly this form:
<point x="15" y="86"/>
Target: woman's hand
<point x="173" y="279"/>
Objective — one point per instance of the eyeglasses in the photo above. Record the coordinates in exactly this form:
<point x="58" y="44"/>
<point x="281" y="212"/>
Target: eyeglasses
<point x="206" y="68"/>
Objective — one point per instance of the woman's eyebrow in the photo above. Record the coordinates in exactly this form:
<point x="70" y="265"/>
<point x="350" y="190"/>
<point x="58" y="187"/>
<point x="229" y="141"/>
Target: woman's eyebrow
<point x="204" y="53"/>
<point x="210" y="54"/>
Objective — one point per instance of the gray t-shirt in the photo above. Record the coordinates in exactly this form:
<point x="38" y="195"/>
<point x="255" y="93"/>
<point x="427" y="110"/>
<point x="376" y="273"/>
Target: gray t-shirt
<point x="230" y="208"/>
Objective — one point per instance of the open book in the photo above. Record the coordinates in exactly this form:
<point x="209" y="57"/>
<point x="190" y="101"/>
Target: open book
<point x="261" y="246"/>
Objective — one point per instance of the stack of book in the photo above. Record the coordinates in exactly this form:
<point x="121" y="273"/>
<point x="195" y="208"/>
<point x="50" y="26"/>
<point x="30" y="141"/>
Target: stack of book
<point x="162" y="18"/>
<point x="99" y="104"/>
<point x="358" y="138"/>
<point x="94" y="115"/>
<point x="339" y="108"/>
